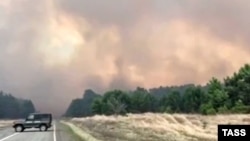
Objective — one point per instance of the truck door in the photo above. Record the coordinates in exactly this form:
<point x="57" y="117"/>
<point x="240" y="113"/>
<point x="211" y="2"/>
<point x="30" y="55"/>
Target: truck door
<point x="37" y="120"/>
<point x="29" y="121"/>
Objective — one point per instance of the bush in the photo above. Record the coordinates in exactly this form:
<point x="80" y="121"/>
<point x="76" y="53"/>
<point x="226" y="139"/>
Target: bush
<point x="241" y="109"/>
<point x="207" y="109"/>
<point x="223" y="110"/>
<point x="211" y="111"/>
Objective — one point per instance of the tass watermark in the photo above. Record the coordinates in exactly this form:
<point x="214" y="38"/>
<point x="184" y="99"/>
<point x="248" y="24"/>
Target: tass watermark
<point x="241" y="132"/>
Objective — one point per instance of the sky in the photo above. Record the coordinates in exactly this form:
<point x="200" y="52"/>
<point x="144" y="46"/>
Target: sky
<point x="52" y="50"/>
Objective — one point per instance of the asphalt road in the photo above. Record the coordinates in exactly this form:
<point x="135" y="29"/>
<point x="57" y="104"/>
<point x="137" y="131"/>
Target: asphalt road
<point x="57" y="133"/>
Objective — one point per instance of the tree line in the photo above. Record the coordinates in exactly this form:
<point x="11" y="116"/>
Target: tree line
<point x="231" y="95"/>
<point x="12" y="108"/>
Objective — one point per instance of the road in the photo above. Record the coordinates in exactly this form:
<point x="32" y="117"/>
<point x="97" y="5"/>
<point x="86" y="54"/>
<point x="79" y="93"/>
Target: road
<point x="57" y="133"/>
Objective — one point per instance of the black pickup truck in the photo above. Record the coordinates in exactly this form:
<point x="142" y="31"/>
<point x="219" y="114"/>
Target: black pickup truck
<point x="43" y="121"/>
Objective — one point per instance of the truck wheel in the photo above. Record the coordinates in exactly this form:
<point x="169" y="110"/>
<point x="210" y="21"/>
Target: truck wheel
<point x="19" y="128"/>
<point x="43" y="128"/>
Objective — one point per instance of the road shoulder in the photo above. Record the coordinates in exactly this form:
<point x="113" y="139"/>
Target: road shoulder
<point x="79" y="132"/>
<point x="65" y="133"/>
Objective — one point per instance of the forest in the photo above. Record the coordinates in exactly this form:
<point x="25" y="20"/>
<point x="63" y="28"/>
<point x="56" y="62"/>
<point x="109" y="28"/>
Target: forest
<point x="228" y="96"/>
<point x="13" y="108"/>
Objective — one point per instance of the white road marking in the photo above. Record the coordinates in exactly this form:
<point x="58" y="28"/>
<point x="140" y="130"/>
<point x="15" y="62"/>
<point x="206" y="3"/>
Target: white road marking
<point x="54" y="132"/>
<point x="8" y="137"/>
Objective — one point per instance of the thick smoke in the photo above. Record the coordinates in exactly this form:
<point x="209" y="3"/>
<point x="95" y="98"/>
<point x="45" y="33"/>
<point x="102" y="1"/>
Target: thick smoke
<point x="52" y="50"/>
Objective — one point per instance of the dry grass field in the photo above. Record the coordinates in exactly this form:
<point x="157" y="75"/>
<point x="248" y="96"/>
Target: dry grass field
<point x="156" y="127"/>
<point x="4" y="123"/>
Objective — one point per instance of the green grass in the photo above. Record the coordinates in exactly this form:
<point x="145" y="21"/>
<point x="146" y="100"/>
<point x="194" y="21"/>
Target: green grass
<point x="72" y="134"/>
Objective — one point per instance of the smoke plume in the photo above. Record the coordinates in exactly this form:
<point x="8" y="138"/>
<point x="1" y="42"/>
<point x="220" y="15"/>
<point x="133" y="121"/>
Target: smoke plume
<point x="52" y="50"/>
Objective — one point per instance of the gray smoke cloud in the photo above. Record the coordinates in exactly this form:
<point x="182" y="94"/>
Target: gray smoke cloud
<point x="51" y="50"/>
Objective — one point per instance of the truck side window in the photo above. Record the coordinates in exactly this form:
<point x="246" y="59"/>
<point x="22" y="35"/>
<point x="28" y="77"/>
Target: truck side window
<point x="37" y="117"/>
<point x="30" y="117"/>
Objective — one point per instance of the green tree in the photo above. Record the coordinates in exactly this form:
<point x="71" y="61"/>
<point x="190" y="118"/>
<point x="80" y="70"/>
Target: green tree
<point x="116" y="106"/>
<point x="97" y="106"/>
<point x="171" y="102"/>
<point x="26" y="107"/>
<point x="240" y="108"/>
<point x="142" y="101"/>
<point x="82" y="107"/>
<point x="74" y="109"/>
<point x="112" y="98"/>
<point x="192" y="100"/>
<point x="238" y="86"/>
<point x="216" y="98"/>
<point x="12" y="107"/>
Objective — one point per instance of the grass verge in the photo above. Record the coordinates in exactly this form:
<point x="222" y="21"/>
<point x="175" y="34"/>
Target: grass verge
<point x="78" y="132"/>
<point x="72" y="134"/>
